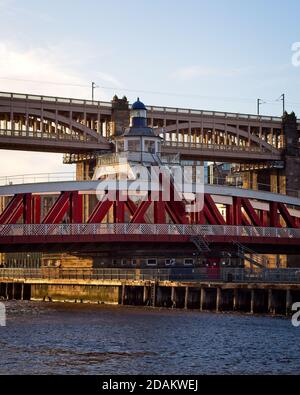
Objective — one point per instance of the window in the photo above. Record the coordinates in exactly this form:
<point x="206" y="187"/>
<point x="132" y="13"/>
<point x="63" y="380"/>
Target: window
<point x="149" y="146"/>
<point x="188" y="261"/>
<point x="134" y="145"/>
<point x="138" y="113"/>
<point x="133" y="262"/>
<point x="114" y="262"/>
<point x="151" y="262"/>
<point x="124" y="262"/>
<point x="170" y="261"/>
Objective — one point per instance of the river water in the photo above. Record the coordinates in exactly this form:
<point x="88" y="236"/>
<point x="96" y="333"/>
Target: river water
<point x="57" y="338"/>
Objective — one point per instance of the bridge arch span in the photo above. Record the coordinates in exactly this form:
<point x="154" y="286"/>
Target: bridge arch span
<point x="251" y="139"/>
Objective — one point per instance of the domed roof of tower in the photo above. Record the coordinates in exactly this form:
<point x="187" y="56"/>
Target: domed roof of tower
<point x="138" y="105"/>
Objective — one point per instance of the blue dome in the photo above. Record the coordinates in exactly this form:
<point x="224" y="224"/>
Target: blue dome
<point x="138" y="105"/>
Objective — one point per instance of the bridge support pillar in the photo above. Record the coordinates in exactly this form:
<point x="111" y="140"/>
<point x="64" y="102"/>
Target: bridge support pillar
<point x="252" y="301"/>
<point x="186" y="297"/>
<point x="270" y="302"/>
<point x="250" y="180"/>
<point x="292" y="164"/>
<point x="202" y="298"/>
<point x="289" y="302"/>
<point x="22" y="291"/>
<point x="123" y="296"/>
<point x="173" y="297"/>
<point x="218" y="299"/>
<point x="235" y="299"/>
<point x="145" y="294"/>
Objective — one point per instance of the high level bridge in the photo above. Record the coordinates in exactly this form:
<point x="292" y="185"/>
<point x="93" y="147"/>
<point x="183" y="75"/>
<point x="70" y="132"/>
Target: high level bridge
<point x="54" y="124"/>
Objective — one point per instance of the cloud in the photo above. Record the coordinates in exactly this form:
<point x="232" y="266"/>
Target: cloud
<point x="62" y="70"/>
<point x="55" y="70"/>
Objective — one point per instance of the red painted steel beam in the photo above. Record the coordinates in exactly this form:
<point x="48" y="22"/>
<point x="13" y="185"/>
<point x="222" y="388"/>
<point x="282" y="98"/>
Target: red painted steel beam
<point x="254" y="218"/>
<point x="237" y="210"/>
<point x="289" y="220"/>
<point x="13" y="210"/>
<point x="59" y="209"/>
<point x="139" y="214"/>
<point x="28" y="210"/>
<point x="229" y="215"/>
<point x="274" y="217"/>
<point x="211" y="211"/>
<point x="100" y="211"/>
<point x="119" y="209"/>
<point x="76" y="208"/>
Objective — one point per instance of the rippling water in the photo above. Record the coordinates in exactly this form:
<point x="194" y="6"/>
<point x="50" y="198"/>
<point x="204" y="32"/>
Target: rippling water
<point x="85" y="339"/>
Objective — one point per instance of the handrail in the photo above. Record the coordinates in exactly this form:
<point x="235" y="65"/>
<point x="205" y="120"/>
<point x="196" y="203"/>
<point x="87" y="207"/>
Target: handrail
<point x="193" y="274"/>
<point x="37" y="178"/>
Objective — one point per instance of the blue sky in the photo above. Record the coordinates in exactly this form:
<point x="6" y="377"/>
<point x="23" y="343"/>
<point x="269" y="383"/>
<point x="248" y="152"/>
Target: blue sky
<point x="215" y="54"/>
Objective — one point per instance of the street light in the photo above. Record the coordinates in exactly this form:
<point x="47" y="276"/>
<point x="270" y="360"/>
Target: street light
<point x="94" y="86"/>
<point x="282" y="98"/>
<point x="259" y="103"/>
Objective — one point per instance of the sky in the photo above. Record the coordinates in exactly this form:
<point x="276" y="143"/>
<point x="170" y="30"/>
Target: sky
<point x="206" y="54"/>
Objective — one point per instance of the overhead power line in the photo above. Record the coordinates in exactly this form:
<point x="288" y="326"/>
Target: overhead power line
<point x="174" y="94"/>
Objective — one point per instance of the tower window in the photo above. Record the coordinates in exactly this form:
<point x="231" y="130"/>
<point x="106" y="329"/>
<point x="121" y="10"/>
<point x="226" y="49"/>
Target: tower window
<point x="134" y="145"/>
<point x="149" y="146"/>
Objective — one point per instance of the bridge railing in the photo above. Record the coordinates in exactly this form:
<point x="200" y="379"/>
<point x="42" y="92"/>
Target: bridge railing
<point x="220" y="147"/>
<point x="151" y="108"/>
<point x="103" y="229"/>
<point x="198" y="274"/>
<point x="37" y="178"/>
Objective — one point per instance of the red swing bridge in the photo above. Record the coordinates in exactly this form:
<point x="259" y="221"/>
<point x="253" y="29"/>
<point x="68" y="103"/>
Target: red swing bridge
<point x="266" y="222"/>
<point x="249" y="211"/>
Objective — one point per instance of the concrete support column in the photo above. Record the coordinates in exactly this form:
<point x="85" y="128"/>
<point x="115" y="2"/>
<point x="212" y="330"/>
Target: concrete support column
<point x="218" y="299"/>
<point x="235" y="299"/>
<point x="202" y="298"/>
<point x="145" y="294"/>
<point x="173" y="297"/>
<point x="270" y="302"/>
<point x="22" y="291"/>
<point x="123" y="294"/>
<point x="252" y="301"/>
<point x="186" y="297"/>
<point x="6" y="290"/>
<point x="254" y="181"/>
<point x="13" y="291"/>
<point x="288" y="304"/>
<point x="273" y="181"/>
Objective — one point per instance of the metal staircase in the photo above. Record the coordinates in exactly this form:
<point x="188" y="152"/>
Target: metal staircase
<point x="201" y="244"/>
<point x="251" y="256"/>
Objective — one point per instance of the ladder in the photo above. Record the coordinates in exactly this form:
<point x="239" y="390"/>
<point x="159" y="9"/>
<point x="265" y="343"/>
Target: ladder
<point x="153" y="294"/>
